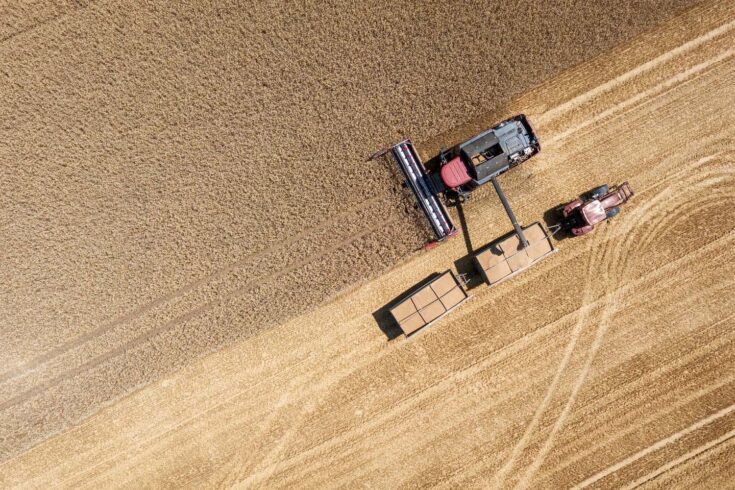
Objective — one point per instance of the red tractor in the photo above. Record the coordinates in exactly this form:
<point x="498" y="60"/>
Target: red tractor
<point x="580" y="216"/>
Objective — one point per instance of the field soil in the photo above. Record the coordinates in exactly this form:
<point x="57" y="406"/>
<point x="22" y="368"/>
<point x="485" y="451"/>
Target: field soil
<point x="160" y="204"/>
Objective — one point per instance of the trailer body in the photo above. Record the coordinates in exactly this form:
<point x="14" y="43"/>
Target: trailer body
<point x="428" y="303"/>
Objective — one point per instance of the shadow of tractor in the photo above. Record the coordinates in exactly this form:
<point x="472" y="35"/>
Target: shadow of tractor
<point x="553" y="218"/>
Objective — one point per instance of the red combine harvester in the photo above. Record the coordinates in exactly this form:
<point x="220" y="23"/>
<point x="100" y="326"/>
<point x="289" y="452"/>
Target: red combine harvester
<point x="580" y="216"/>
<point x="465" y="167"/>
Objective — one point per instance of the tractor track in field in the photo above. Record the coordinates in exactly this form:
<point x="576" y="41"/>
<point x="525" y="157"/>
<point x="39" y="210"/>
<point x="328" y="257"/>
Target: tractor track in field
<point x="678" y="405"/>
<point x="661" y="444"/>
<point x="477" y="366"/>
<point x="681" y="460"/>
<point x="613" y="272"/>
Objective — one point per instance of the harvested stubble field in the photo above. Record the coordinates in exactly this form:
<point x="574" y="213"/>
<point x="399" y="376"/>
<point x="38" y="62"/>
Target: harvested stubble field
<point x="195" y="176"/>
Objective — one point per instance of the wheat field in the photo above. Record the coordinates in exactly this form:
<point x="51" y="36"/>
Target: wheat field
<point x="179" y="310"/>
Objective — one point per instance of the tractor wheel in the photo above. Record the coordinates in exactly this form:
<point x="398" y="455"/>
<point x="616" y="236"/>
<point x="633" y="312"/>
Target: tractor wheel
<point x="612" y="212"/>
<point x="598" y="192"/>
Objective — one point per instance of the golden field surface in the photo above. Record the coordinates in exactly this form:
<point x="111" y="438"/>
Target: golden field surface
<point x="158" y="230"/>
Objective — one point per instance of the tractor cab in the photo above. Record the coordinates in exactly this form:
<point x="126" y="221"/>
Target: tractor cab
<point x="581" y="215"/>
<point x="593" y="212"/>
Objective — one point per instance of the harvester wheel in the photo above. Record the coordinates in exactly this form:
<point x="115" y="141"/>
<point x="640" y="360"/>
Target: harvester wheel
<point x="612" y="212"/>
<point x="598" y="192"/>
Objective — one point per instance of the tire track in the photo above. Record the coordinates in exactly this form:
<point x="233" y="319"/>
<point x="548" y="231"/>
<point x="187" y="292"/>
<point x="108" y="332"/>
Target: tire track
<point x="619" y="257"/>
<point x="645" y="96"/>
<point x="361" y="353"/>
<point x="683" y="209"/>
<point x="612" y="283"/>
<point x="682" y="459"/>
<point x="622" y="260"/>
<point x="672" y="408"/>
<point x="452" y="483"/>
<point x="482" y="362"/>
<point x="477" y="469"/>
<point x="655" y="447"/>
<point x="499" y="478"/>
<point x="611" y="293"/>
<point x="598" y="91"/>
<point x="464" y="464"/>
<point x="631" y="229"/>
<point x="626" y="233"/>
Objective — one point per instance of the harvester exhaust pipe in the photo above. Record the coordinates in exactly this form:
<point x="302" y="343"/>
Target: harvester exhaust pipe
<point x="509" y="211"/>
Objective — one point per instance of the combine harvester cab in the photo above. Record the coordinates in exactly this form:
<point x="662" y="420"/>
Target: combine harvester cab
<point x="499" y="149"/>
<point x="423" y="188"/>
<point x="468" y="165"/>
<point x="428" y="303"/>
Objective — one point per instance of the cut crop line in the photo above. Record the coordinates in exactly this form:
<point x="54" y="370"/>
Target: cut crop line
<point x="678" y="79"/>
<point x="655" y="447"/>
<point x="640" y="69"/>
<point x="682" y="459"/>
